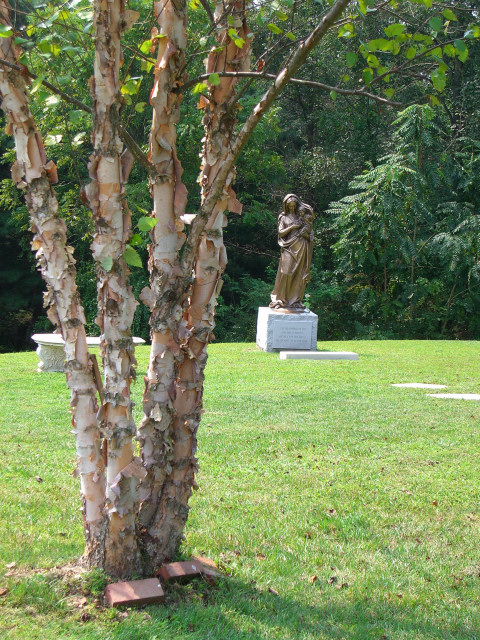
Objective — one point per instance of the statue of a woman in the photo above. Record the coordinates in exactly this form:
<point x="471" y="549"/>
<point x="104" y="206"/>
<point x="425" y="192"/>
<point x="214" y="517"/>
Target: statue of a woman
<point x="295" y="237"/>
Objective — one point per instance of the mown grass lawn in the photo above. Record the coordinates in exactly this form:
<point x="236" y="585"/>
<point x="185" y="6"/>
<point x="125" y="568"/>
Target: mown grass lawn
<point x="338" y="506"/>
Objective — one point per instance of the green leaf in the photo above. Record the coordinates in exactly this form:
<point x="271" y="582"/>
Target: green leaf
<point x="367" y="75"/>
<point x="463" y="55"/>
<point x="389" y="92"/>
<point x="460" y="45"/>
<point x="131" y="87"/>
<point x="200" y="87"/>
<point x="373" y="61"/>
<point x="140" y="107"/>
<point x="194" y="4"/>
<point x="146" y="46"/>
<point x="333" y="95"/>
<point x="395" y="48"/>
<point x="75" y="116"/>
<point x="147" y="65"/>
<point x="473" y="31"/>
<point x="410" y="53"/>
<point x="71" y="49"/>
<point x="107" y="264"/>
<point x="435" y="24"/>
<point x="449" y="15"/>
<point x="439" y="79"/>
<point x="50" y="140"/>
<point x="231" y="21"/>
<point x="52" y="100"/>
<point x="434" y="101"/>
<point x="37" y="83"/>
<point x="146" y="224"/>
<point x="281" y="15"/>
<point x="394" y="30"/>
<point x="5" y="31"/>
<point x="274" y="29"/>
<point x="351" y="59"/>
<point x="135" y="240"/>
<point x="379" y="44"/>
<point x="345" y="78"/>
<point x="449" y="50"/>
<point x="131" y="257"/>
<point x="214" y="79"/>
<point x="290" y="36"/>
<point x="346" y="31"/>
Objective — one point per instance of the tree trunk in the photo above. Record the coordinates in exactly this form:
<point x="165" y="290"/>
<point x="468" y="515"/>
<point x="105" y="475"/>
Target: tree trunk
<point x="168" y="290"/>
<point x="116" y="302"/>
<point x="219" y="120"/>
<point x="33" y="174"/>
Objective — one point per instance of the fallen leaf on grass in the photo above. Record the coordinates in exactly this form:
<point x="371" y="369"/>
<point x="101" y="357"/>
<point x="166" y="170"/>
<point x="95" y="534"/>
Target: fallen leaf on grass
<point x="332" y="580"/>
<point x="272" y="590"/>
<point x="435" y="503"/>
<point x="77" y="601"/>
<point x="9" y="573"/>
<point x="3" y="591"/>
<point x="38" y="479"/>
<point x="10" y="565"/>
<point x="308" y="535"/>
<point x="312" y="579"/>
<point x="330" y="512"/>
<point x="261" y="556"/>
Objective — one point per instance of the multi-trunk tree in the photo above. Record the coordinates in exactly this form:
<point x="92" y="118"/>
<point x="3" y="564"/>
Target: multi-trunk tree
<point x="135" y="508"/>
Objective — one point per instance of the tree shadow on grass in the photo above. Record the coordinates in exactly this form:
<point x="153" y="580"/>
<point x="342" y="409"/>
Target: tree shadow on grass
<point x="239" y="611"/>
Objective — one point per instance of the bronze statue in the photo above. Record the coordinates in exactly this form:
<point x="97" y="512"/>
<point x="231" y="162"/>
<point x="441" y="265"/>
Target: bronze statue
<point x="295" y="237"/>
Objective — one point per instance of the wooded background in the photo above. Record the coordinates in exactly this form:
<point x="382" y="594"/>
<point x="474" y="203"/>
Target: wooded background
<point x="395" y="190"/>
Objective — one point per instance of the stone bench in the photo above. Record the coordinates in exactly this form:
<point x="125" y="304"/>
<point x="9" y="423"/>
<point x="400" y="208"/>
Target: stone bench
<point x="50" y="350"/>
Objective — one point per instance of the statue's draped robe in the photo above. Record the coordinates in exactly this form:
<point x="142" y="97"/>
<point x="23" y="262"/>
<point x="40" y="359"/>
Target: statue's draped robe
<point x="294" y="267"/>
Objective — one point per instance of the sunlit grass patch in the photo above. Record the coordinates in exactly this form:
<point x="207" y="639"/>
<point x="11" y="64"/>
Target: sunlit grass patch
<point x="339" y="506"/>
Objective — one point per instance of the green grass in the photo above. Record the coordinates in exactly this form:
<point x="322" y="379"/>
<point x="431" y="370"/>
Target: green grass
<point x="339" y="507"/>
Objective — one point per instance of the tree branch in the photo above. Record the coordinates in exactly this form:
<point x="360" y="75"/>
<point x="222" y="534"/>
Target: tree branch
<point x="281" y="80"/>
<point x="25" y="71"/>
<point x="207" y="8"/>
<point x="129" y="142"/>
<point x="306" y="83"/>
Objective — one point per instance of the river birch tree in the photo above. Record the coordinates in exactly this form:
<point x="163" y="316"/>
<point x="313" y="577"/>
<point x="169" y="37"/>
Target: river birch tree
<point x="135" y="507"/>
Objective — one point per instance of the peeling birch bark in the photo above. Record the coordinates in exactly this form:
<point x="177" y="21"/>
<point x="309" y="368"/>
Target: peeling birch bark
<point x="116" y="302"/>
<point x="166" y="296"/>
<point x="219" y="120"/>
<point x="34" y="175"/>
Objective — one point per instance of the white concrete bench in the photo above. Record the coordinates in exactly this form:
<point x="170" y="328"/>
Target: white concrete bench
<point x="50" y="350"/>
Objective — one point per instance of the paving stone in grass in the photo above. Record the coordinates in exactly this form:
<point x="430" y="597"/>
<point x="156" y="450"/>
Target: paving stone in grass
<point x="134" y="593"/>
<point x="419" y="385"/>
<point x="455" y="396"/>
<point x="187" y="570"/>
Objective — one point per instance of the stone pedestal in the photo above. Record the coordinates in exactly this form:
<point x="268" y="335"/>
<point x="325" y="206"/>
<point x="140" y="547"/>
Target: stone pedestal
<point x="280" y="331"/>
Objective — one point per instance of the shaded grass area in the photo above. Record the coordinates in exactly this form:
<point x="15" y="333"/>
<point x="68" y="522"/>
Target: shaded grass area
<point x="340" y="507"/>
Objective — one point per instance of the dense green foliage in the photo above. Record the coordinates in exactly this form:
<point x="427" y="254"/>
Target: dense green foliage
<point x="343" y="509"/>
<point x="398" y="258"/>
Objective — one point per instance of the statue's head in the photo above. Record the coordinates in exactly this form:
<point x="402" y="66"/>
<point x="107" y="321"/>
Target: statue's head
<point x="291" y="202"/>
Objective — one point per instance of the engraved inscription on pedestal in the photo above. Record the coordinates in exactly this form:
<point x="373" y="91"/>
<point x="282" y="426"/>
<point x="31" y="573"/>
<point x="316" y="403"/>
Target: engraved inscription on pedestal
<point x="293" y="335"/>
<point x="277" y="330"/>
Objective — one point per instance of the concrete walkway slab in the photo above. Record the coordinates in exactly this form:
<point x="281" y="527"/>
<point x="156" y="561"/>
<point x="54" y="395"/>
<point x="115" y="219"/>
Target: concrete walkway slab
<point x="420" y="385"/>
<point x="318" y="355"/>
<point x="455" y="396"/>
